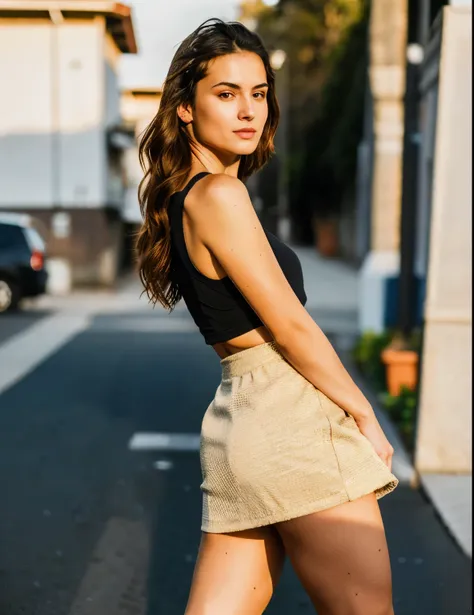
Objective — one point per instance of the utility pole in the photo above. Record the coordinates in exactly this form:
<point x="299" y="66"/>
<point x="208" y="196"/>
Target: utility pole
<point x="408" y="288"/>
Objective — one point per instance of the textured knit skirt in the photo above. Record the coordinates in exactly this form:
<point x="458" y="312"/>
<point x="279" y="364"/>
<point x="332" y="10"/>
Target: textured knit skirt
<point x="274" y="447"/>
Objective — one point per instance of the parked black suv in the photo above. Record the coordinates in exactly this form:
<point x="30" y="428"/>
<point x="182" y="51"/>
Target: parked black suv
<point x="22" y="256"/>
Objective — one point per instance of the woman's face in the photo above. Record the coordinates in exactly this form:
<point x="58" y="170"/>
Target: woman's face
<point x="231" y="109"/>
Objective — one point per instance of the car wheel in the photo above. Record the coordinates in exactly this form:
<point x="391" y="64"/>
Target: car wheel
<point x="9" y="295"/>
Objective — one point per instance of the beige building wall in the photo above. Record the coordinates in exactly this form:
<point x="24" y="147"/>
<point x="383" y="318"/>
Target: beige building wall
<point x="444" y="439"/>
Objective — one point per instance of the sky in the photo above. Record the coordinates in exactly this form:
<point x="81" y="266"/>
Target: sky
<point x="160" y="25"/>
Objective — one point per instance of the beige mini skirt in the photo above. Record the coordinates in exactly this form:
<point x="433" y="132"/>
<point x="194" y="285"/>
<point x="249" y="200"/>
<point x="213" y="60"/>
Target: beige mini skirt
<point x="273" y="447"/>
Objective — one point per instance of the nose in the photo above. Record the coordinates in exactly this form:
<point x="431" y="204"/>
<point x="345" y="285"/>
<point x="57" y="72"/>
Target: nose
<point x="246" y="111"/>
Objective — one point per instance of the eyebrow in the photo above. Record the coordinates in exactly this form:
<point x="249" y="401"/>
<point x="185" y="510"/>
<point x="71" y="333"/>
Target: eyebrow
<point x="237" y="87"/>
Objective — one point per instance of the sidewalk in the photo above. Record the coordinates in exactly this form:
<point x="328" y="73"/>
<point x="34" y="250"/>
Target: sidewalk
<point x="331" y="288"/>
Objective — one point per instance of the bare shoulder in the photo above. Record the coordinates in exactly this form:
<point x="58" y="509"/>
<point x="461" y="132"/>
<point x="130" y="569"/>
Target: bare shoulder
<point x="216" y="185"/>
<point x="218" y="196"/>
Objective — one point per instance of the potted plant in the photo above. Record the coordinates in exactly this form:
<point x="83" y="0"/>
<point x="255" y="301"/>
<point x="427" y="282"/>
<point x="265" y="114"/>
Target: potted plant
<point x="401" y="362"/>
<point x="326" y="237"/>
<point x="325" y="214"/>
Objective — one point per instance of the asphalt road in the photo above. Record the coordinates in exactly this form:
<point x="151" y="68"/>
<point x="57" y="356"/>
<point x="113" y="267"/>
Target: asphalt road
<point x="89" y="526"/>
<point x="12" y="323"/>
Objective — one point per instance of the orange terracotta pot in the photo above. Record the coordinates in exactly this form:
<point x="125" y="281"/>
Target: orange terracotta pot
<point x="402" y="369"/>
<point x="326" y="236"/>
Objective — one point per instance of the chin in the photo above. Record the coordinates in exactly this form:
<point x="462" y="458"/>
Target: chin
<point x="245" y="149"/>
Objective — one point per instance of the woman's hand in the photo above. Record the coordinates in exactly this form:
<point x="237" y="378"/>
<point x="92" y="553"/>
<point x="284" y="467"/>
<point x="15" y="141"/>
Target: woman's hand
<point x="370" y="428"/>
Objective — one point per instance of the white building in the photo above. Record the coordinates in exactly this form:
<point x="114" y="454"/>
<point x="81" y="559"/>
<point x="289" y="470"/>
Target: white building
<point x="60" y="123"/>
<point x="138" y="107"/>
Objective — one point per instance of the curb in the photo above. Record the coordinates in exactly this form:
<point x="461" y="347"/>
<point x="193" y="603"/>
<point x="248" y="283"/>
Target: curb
<point x="451" y="497"/>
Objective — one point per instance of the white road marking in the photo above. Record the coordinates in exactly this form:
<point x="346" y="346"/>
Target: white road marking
<point x="22" y="353"/>
<point x="164" y="442"/>
<point x="163" y="464"/>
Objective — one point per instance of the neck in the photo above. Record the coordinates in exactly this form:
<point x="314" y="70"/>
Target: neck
<point x="205" y="159"/>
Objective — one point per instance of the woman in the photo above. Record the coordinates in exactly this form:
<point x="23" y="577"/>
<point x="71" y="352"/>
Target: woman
<point x="292" y="456"/>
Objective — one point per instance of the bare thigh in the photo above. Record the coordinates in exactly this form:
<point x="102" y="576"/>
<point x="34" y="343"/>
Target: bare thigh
<point x="236" y="573"/>
<point x="341" y="558"/>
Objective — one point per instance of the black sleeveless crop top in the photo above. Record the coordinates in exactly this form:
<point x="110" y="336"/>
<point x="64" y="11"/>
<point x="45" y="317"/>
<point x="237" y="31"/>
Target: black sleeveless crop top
<point x="217" y="306"/>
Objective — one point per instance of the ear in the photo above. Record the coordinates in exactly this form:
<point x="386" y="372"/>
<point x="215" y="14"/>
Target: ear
<point x="185" y="113"/>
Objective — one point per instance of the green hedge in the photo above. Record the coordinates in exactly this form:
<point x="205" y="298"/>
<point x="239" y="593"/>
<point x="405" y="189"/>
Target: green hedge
<point x="402" y="411"/>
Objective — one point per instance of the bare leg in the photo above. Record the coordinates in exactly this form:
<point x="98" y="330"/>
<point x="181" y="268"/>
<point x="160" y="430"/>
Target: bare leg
<point x="236" y="573"/>
<point x="341" y="558"/>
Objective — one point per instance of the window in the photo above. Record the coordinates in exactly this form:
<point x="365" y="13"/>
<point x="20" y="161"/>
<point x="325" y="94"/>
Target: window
<point x="11" y="236"/>
<point x="34" y="239"/>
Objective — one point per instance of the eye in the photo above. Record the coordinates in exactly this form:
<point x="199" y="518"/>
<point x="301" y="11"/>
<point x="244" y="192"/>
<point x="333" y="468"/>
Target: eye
<point x="260" y="94"/>
<point x="225" y="95"/>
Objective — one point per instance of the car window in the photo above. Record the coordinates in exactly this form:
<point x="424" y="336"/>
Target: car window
<point x="11" y="236"/>
<point x="34" y="239"/>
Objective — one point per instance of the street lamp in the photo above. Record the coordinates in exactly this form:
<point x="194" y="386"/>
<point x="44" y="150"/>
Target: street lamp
<point x="277" y="59"/>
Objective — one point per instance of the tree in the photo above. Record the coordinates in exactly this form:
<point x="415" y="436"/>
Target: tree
<point x="329" y="163"/>
<point x="314" y="35"/>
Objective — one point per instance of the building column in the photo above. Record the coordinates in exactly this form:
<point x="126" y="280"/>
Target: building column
<point x="443" y="438"/>
<point x="387" y="52"/>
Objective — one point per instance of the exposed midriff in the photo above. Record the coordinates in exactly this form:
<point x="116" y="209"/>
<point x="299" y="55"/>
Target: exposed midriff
<point x="242" y="342"/>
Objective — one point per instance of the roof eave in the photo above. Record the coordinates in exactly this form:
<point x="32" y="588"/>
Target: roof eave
<point x="117" y="12"/>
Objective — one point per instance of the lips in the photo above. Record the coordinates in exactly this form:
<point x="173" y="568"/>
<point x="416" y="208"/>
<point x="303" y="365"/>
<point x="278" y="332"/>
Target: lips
<point x="245" y="133"/>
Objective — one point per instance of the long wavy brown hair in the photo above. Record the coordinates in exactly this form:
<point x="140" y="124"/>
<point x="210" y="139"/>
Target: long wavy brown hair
<point x="165" y="151"/>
